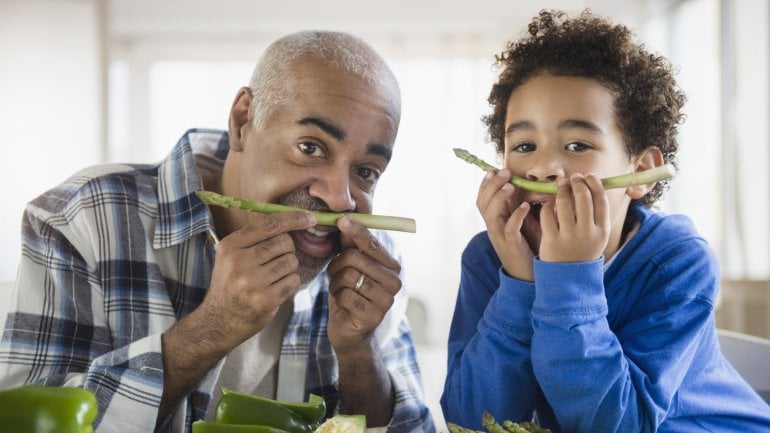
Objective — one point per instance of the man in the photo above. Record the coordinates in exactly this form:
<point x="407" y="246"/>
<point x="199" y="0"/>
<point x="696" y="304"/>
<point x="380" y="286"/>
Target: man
<point x="125" y="288"/>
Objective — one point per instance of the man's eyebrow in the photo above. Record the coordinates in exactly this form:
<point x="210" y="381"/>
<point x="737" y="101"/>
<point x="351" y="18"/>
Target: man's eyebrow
<point x="324" y="125"/>
<point x="582" y="124"/>
<point x="380" y="149"/>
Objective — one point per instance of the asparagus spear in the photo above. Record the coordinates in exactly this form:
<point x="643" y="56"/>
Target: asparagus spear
<point x="623" y="181"/>
<point x="324" y="218"/>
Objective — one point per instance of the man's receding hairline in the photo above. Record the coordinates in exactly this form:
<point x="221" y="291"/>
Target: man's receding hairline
<point x="270" y="88"/>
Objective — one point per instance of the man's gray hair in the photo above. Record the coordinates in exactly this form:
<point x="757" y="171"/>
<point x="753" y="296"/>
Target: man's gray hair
<point x="269" y="85"/>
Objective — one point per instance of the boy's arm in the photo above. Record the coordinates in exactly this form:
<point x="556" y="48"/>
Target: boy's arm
<point x="489" y="365"/>
<point x="597" y="380"/>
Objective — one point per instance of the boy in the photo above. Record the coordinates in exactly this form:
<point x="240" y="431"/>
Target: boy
<point x="587" y="310"/>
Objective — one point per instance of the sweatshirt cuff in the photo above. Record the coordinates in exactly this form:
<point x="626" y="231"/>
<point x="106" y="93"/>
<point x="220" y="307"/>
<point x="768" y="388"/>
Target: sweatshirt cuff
<point x="569" y="294"/>
<point x="511" y="305"/>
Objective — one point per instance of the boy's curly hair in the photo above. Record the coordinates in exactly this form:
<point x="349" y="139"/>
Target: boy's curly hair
<point x="648" y="101"/>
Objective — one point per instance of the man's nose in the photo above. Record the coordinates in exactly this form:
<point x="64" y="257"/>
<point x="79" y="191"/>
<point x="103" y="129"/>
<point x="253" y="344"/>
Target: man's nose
<point x="334" y="190"/>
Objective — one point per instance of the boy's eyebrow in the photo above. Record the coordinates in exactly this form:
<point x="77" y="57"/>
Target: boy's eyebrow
<point x="518" y="126"/>
<point x="565" y="124"/>
<point x="582" y="124"/>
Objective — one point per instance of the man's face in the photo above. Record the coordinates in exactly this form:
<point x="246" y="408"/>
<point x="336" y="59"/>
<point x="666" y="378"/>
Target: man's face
<point x="324" y="150"/>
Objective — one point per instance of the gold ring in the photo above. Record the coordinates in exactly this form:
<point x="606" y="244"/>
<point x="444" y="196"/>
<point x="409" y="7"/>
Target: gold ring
<point x="359" y="282"/>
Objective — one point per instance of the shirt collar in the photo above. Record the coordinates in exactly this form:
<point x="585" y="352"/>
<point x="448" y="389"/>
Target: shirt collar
<point x="181" y="214"/>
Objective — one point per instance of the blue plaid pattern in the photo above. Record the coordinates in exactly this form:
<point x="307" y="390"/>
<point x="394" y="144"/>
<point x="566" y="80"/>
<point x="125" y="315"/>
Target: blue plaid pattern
<point x="118" y="253"/>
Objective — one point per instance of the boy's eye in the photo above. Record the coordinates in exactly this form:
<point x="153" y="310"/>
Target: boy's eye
<point x="523" y="147"/>
<point x="577" y="147"/>
<point x="310" y="148"/>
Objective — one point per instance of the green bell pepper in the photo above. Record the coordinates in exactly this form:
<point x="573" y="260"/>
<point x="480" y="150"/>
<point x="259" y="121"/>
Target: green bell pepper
<point x="238" y="408"/>
<point x="47" y="409"/>
<point x="212" y="427"/>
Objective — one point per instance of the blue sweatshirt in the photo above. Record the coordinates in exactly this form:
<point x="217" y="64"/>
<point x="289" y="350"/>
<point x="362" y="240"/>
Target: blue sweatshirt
<point x="630" y="348"/>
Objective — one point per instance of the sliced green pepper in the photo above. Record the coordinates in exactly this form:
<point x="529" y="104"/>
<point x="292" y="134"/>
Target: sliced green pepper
<point x="47" y="409"/>
<point x="238" y="408"/>
<point x="311" y="411"/>
<point x="211" y="427"/>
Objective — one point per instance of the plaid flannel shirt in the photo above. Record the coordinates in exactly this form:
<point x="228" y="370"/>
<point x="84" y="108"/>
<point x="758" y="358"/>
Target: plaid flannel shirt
<point x="116" y="255"/>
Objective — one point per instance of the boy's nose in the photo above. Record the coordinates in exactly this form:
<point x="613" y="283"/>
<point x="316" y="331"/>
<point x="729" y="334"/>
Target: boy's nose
<point x="545" y="170"/>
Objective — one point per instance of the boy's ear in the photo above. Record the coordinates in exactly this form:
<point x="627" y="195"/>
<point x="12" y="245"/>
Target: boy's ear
<point x="239" y="118"/>
<point x="649" y="158"/>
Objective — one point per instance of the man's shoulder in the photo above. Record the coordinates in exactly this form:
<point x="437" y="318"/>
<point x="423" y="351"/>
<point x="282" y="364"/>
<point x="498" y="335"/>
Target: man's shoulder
<point x="110" y="184"/>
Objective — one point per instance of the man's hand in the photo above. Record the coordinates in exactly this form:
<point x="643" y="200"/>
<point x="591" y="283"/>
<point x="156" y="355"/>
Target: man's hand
<point x="255" y="271"/>
<point x="354" y="314"/>
<point x="576" y="227"/>
<point x="504" y="224"/>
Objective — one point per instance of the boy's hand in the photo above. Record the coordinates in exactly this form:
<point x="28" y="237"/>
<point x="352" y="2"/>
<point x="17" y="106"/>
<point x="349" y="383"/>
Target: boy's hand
<point x="576" y="227"/>
<point x="504" y="224"/>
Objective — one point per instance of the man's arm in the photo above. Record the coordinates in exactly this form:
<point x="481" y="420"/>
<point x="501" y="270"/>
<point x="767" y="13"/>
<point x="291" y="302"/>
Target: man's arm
<point x="365" y="386"/>
<point x="254" y="273"/>
<point x="191" y="348"/>
<point x="378" y="372"/>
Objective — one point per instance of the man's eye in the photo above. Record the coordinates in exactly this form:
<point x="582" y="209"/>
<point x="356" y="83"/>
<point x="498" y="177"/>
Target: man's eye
<point x="310" y="148"/>
<point x="368" y="174"/>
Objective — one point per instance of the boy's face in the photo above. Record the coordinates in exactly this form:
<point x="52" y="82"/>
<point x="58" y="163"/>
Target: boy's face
<point x="559" y="125"/>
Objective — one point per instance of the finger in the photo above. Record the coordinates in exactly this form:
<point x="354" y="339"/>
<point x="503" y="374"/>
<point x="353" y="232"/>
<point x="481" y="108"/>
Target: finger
<point x="281" y="267"/>
<point x="497" y="213"/>
<point x="346" y="268"/>
<point x="362" y="309"/>
<point x="286" y="286"/>
<point x="374" y="291"/>
<point x="514" y="223"/>
<point x="564" y="207"/>
<point x="490" y="185"/>
<point x="271" y="248"/>
<point x="601" y="202"/>
<point x="548" y="219"/>
<point x="366" y="242"/>
<point x="584" y="207"/>
<point x="270" y="225"/>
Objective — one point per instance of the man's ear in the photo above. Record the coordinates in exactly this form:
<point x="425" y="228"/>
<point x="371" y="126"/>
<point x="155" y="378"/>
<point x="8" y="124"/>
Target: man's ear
<point x="649" y="158"/>
<point x="239" y="118"/>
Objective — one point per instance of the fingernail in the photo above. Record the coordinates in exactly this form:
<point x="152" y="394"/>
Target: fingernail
<point x="345" y="222"/>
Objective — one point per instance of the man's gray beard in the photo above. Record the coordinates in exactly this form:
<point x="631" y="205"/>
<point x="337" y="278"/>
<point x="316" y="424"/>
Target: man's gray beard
<point x="309" y="266"/>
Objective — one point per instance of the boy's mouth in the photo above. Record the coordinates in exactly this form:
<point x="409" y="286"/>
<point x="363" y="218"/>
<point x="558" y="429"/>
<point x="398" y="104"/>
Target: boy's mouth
<point x="535" y="208"/>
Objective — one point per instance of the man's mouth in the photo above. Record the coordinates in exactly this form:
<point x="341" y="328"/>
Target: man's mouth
<point x="316" y="241"/>
<point x="319" y="233"/>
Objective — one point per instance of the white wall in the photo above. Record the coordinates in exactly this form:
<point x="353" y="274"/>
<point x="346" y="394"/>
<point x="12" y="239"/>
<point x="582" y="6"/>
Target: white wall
<point x="49" y="104"/>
